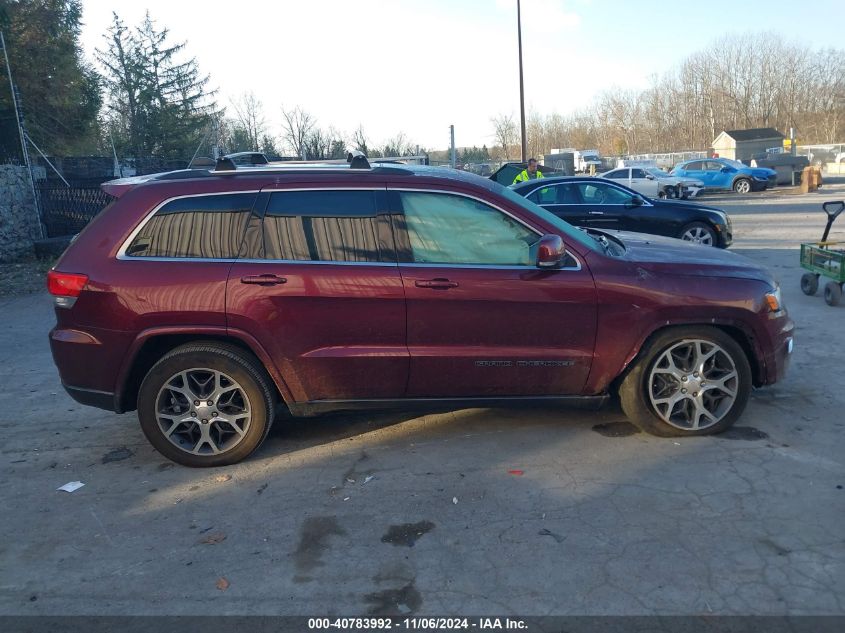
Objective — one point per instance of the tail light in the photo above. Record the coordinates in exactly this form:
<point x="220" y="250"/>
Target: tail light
<point x="65" y="287"/>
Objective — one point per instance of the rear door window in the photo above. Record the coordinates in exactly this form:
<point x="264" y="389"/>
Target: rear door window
<point x="327" y="226"/>
<point x="199" y="227"/>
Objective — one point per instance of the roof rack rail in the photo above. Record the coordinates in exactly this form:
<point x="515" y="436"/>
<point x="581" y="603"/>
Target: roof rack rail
<point x="357" y="160"/>
<point x="248" y="158"/>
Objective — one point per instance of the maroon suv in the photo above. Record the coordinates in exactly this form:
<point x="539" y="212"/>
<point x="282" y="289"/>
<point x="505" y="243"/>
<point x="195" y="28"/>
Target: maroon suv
<point x="206" y="299"/>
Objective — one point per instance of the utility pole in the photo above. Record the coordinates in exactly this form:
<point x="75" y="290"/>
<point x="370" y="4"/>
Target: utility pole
<point x="453" y="157"/>
<point x="521" y="87"/>
<point x="21" y="132"/>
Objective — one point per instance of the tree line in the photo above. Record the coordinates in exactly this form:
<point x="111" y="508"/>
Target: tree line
<point x="738" y="82"/>
<point x="146" y="96"/>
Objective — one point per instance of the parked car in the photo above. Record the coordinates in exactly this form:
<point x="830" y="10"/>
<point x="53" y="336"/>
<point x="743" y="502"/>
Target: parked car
<point x="724" y="173"/>
<point x="508" y="171"/>
<point x="209" y="300"/>
<point x="653" y="182"/>
<point x="607" y="204"/>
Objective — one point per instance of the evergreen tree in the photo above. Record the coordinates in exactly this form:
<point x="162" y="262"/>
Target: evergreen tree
<point x="60" y="91"/>
<point x="158" y="105"/>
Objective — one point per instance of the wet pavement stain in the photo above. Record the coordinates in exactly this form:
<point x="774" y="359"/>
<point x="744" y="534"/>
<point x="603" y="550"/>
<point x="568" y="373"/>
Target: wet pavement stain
<point x="556" y="537"/>
<point x="394" y="601"/>
<point x="117" y="455"/>
<point x="407" y="534"/>
<point x="314" y="538"/>
<point x="747" y="433"/>
<point x="616" y="429"/>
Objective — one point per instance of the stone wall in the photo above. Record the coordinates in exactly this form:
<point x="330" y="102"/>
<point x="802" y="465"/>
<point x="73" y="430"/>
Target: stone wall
<point x="18" y="218"/>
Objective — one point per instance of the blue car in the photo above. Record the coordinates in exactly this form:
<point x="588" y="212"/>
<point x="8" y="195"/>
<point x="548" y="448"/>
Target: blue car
<point x="723" y="173"/>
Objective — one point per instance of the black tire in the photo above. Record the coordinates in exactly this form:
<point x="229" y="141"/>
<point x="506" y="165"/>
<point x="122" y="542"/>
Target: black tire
<point x="742" y="185"/>
<point x="671" y="192"/>
<point x="633" y="391"/>
<point x="705" y="231"/>
<point x="832" y="293"/>
<point x="214" y="356"/>
<point x="809" y="284"/>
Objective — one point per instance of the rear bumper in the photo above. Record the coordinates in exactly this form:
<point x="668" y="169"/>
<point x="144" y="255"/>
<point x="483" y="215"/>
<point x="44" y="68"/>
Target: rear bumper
<point x="89" y="361"/>
<point x="92" y="398"/>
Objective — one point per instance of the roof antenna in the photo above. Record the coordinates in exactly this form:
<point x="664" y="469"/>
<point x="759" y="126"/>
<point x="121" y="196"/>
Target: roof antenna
<point x="357" y="160"/>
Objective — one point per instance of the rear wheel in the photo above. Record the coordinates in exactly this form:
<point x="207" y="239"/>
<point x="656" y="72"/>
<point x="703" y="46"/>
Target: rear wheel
<point x="688" y="381"/>
<point x="699" y="233"/>
<point x="742" y="185"/>
<point x="809" y="284"/>
<point x="206" y="404"/>
<point x="833" y="293"/>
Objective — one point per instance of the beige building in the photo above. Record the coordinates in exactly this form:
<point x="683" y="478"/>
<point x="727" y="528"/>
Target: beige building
<point x="746" y="144"/>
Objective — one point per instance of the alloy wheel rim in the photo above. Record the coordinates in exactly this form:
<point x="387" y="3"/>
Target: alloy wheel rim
<point x="743" y="187"/>
<point x="203" y="411"/>
<point x="693" y="384"/>
<point x="698" y="235"/>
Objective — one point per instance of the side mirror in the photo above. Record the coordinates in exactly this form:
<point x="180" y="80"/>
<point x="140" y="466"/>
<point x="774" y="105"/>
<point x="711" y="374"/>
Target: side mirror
<point x="550" y="251"/>
<point x="634" y="202"/>
<point x="651" y="177"/>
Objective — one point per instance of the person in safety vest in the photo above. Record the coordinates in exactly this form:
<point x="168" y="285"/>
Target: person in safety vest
<point x="529" y="174"/>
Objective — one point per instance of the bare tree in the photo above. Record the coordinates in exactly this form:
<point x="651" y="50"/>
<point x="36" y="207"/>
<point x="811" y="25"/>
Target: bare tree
<point x="505" y="133"/>
<point x="249" y="117"/>
<point x="359" y="141"/>
<point x="298" y="125"/>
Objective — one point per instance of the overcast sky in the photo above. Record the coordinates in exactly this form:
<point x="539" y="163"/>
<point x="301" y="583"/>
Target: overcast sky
<point x="418" y="66"/>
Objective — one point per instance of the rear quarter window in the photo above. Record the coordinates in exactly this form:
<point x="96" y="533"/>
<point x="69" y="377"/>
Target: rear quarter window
<point x="207" y="227"/>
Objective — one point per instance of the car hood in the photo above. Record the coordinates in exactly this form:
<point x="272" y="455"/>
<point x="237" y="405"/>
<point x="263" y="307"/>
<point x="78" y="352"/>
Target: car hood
<point x="668" y="255"/>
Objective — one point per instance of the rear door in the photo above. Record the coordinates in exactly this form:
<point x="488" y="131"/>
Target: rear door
<point x="318" y="285"/>
<point x="695" y="170"/>
<point x="483" y="320"/>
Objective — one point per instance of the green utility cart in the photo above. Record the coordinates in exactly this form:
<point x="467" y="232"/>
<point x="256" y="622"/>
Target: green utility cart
<point x="825" y="259"/>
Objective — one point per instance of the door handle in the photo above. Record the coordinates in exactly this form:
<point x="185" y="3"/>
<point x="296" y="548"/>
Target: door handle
<point x="438" y="284"/>
<point x="263" y="280"/>
<point x="596" y="212"/>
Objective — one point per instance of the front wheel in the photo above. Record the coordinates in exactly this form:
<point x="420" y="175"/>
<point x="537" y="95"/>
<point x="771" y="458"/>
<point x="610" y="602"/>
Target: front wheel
<point x="743" y="185"/>
<point x="699" y="233"/>
<point x="687" y="381"/>
<point x="206" y="404"/>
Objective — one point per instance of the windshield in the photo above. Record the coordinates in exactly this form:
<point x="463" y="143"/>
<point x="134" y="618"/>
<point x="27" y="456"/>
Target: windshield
<point x="563" y="226"/>
<point x="657" y="172"/>
<point x="734" y="163"/>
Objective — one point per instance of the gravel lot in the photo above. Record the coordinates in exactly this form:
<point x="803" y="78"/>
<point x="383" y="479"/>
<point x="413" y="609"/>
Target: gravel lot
<point x="475" y="512"/>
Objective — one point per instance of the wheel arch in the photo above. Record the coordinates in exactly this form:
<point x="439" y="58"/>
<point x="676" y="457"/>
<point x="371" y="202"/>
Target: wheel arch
<point x="743" y="336"/>
<point x="151" y="345"/>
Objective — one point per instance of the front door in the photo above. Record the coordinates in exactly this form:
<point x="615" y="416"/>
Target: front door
<point x="483" y="320"/>
<point x="644" y="182"/>
<point x="318" y="285"/>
